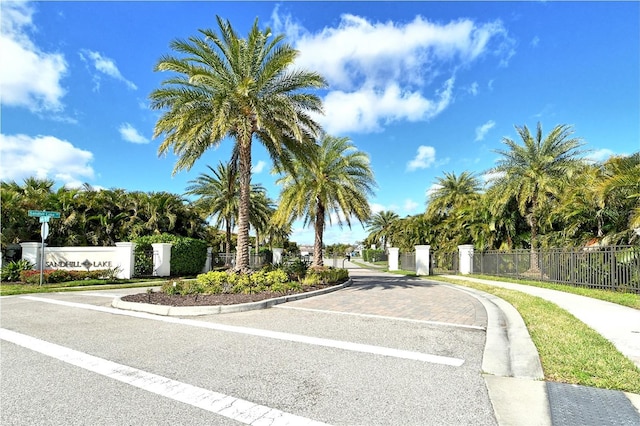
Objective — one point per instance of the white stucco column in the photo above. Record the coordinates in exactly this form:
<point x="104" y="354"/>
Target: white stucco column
<point x="465" y="253"/>
<point x="422" y="260"/>
<point x="277" y="256"/>
<point x="207" y="263"/>
<point x="161" y="259"/>
<point x="31" y="253"/>
<point x="394" y="254"/>
<point x="126" y="260"/>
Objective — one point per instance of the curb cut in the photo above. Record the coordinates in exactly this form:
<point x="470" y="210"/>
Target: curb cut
<point x="165" y="310"/>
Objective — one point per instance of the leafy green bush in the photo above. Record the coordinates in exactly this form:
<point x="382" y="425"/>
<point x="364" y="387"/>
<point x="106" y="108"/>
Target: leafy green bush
<point x="295" y="268"/>
<point x="11" y="271"/>
<point x="188" y="255"/>
<point x="277" y="281"/>
<point x="372" y="255"/>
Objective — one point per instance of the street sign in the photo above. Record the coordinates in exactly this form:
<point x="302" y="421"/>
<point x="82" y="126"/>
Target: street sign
<point x="44" y="213"/>
<point x="44" y="230"/>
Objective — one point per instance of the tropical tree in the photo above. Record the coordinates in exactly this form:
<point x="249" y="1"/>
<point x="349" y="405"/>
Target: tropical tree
<point x="227" y="86"/>
<point x="622" y="178"/>
<point x="331" y="183"/>
<point x="452" y="192"/>
<point x="218" y="197"/>
<point x="380" y="227"/>
<point x="534" y="172"/>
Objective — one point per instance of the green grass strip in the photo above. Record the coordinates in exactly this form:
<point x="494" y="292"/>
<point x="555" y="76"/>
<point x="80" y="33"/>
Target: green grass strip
<point x="570" y="351"/>
<point x="631" y="300"/>
<point x="13" y="289"/>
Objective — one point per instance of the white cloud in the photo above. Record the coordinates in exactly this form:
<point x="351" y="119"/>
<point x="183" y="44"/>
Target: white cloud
<point x="481" y="131"/>
<point x="490" y="177"/>
<point x="535" y="41"/>
<point x="359" y="58"/>
<point x="29" y="77"/>
<point x="425" y="158"/>
<point x="600" y="155"/>
<point x="44" y="157"/>
<point x="258" y="167"/>
<point x="432" y="189"/>
<point x="473" y="88"/>
<point x="130" y="134"/>
<point x="365" y="110"/>
<point x="106" y="66"/>
<point x="410" y="206"/>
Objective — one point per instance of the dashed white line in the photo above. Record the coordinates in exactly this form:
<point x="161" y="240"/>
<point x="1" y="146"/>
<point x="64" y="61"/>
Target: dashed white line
<point x="316" y="341"/>
<point x="233" y="408"/>
<point x="324" y="311"/>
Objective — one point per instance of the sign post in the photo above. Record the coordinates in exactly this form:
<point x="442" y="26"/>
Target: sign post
<point x="44" y="217"/>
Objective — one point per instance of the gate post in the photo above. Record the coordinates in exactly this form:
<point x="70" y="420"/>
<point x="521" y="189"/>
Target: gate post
<point x="31" y="253"/>
<point x="126" y="260"/>
<point x="394" y="253"/>
<point x="207" y="264"/>
<point x="422" y="260"/>
<point x="465" y="253"/>
<point x="277" y="256"/>
<point x="162" y="262"/>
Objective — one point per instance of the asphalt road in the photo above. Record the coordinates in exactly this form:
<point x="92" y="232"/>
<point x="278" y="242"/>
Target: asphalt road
<point x="364" y="355"/>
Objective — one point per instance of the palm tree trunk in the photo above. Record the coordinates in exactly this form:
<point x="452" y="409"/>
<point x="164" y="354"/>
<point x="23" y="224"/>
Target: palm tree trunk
<point x="244" y="155"/>
<point x="227" y="257"/>
<point x="319" y="230"/>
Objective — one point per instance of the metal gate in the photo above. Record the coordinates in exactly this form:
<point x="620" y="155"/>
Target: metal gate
<point x="444" y="263"/>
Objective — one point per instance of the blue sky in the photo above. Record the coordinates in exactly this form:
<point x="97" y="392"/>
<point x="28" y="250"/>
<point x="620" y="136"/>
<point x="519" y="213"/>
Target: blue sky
<point x="423" y="87"/>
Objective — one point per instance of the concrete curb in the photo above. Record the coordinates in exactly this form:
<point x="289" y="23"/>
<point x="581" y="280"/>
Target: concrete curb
<point x="219" y="309"/>
<point x="513" y="373"/>
<point x="509" y="350"/>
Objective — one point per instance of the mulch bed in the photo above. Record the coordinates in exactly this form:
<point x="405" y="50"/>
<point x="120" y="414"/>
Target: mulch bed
<point x="157" y="298"/>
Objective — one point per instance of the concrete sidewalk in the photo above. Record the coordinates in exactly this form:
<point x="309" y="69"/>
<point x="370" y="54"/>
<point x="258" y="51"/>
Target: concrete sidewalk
<point x="618" y="324"/>
<point x="521" y="401"/>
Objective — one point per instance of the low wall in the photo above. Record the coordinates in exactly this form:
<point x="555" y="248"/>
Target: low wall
<point x="83" y="258"/>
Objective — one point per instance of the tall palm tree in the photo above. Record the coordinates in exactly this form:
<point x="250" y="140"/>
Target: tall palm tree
<point x="535" y="170"/>
<point x="218" y="194"/>
<point x="335" y="178"/>
<point x="453" y="191"/>
<point x="227" y="86"/>
<point x="380" y="227"/>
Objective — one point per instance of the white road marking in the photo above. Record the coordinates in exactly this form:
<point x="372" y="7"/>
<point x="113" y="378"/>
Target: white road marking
<point x="324" y="311"/>
<point x="316" y="341"/>
<point x="233" y="408"/>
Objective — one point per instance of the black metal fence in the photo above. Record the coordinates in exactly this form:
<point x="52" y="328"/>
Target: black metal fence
<point x="444" y="263"/>
<point x="256" y="261"/>
<point x="611" y="268"/>
<point x="144" y="262"/>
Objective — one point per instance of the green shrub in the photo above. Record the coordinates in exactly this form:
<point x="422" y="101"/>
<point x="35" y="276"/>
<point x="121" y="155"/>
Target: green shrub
<point x="172" y="287"/>
<point x="188" y="255"/>
<point x="312" y="278"/>
<point x="295" y="268"/>
<point x="372" y="255"/>
<point x="277" y="277"/>
<point x="11" y="271"/>
<point x="57" y="276"/>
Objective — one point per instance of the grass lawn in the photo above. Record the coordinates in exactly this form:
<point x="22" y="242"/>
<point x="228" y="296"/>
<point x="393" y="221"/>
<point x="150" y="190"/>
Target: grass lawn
<point x="570" y="351"/>
<point x="8" y="289"/>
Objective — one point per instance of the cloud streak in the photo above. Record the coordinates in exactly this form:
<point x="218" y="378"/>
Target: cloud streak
<point x="106" y="66"/>
<point x="481" y="131"/>
<point x="131" y="134"/>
